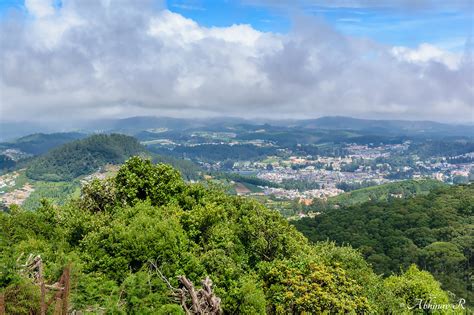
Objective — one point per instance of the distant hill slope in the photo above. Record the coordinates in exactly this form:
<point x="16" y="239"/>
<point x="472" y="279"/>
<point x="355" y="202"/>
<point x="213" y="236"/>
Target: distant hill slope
<point x="435" y="231"/>
<point x="390" y="126"/>
<point x="188" y="169"/>
<point x="40" y="143"/>
<point x="402" y="189"/>
<point x="133" y="125"/>
<point x="83" y="156"/>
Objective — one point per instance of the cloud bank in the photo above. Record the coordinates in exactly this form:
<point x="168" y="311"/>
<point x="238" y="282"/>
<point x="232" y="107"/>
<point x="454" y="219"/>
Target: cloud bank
<point x="122" y="58"/>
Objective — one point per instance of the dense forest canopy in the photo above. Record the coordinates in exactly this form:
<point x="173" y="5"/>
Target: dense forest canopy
<point x="434" y="230"/>
<point x="216" y="152"/>
<point x="125" y="235"/>
<point x="83" y="156"/>
<point x="188" y="169"/>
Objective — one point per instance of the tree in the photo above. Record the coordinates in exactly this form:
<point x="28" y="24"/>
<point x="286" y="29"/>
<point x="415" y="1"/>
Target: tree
<point x="431" y="230"/>
<point x="307" y="286"/>
<point x="415" y="285"/>
<point x="442" y="257"/>
<point x="139" y="179"/>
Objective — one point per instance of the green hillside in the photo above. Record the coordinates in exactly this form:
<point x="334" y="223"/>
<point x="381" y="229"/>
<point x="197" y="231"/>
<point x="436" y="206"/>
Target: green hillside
<point x="82" y="157"/>
<point x="40" y="143"/>
<point x="435" y="231"/>
<point x="402" y="189"/>
<point x="57" y="193"/>
<point x="189" y="170"/>
<point x="131" y="240"/>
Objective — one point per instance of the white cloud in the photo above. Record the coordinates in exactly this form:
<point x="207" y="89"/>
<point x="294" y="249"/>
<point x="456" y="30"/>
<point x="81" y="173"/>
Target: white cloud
<point x="426" y="53"/>
<point x="175" y="28"/>
<point x="124" y="58"/>
<point x="40" y="8"/>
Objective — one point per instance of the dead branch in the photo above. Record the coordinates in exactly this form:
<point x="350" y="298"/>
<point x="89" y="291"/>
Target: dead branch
<point x="213" y="302"/>
<point x="157" y="270"/>
<point x="196" y="303"/>
<point x="202" y="301"/>
<point x="33" y="269"/>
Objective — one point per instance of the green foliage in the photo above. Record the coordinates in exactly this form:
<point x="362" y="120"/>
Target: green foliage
<point x="246" y="179"/>
<point x="188" y="169"/>
<point x="146" y="294"/>
<point x="22" y="298"/>
<point x="216" y="152"/>
<point x="96" y="291"/>
<point x="6" y="162"/>
<point x="82" y="157"/>
<point x="40" y="143"/>
<point x="295" y="287"/>
<point x="57" y="192"/>
<point x="404" y="189"/>
<point x="429" y="148"/>
<point x="415" y="285"/>
<point x="147" y="215"/>
<point x="98" y="195"/>
<point x="138" y="239"/>
<point x="435" y="231"/>
<point x="251" y="181"/>
<point x="140" y="180"/>
<point x="247" y="298"/>
<point x="354" y="186"/>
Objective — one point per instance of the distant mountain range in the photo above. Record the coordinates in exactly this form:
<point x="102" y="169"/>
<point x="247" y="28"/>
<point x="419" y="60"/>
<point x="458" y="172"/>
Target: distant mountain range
<point x="40" y="143"/>
<point x="391" y="126"/>
<point x="133" y="125"/>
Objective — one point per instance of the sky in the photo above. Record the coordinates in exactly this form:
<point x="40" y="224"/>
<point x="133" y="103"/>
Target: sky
<point x="67" y="60"/>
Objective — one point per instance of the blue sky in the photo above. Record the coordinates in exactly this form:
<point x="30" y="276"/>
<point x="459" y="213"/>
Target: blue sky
<point x="446" y="27"/>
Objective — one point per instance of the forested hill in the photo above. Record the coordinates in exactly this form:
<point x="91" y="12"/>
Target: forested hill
<point x="386" y="192"/>
<point x="435" y="231"/>
<point x="133" y="240"/>
<point x="40" y="143"/>
<point x="83" y="156"/>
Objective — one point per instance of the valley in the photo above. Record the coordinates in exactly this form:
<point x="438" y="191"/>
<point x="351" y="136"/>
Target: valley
<point x="293" y="165"/>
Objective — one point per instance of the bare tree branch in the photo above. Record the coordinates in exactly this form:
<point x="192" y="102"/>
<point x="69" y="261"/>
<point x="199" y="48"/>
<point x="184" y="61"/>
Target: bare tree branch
<point x="202" y="301"/>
